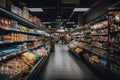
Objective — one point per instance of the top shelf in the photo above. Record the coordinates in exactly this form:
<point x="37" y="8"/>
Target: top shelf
<point x="20" y="19"/>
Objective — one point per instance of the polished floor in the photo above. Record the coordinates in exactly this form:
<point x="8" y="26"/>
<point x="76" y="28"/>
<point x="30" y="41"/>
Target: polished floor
<point x="62" y="66"/>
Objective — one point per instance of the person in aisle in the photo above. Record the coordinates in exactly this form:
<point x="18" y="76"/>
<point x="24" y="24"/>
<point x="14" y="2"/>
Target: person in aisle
<point x="62" y="39"/>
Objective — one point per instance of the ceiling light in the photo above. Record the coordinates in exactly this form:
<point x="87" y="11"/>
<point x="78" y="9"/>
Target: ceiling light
<point x="70" y="23"/>
<point x="35" y="9"/>
<point x="80" y="9"/>
<point x="75" y="25"/>
<point x="46" y="22"/>
<point x="61" y="30"/>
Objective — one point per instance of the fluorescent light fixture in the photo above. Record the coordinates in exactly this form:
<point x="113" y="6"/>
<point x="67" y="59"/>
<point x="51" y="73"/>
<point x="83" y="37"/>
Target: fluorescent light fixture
<point x="65" y="29"/>
<point x="75" y="25"/>
<point x="35" y="9"/>
<point x="61" y="30"/>
<point x="46" y="22"/>
<point x="61" y="27"/>
<point x="70" y="23"/>
<point x="80" y="9"/>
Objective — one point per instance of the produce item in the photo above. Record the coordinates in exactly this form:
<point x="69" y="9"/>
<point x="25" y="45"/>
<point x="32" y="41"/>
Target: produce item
<point x="93" y="32"/>
<point x="100" y="25"/>
<point x="93" y="59"/>
<point x="81" y="44"/>
<point x="29" y="56"/>
<point x="78" y="50"/>
<point x="15" y="67"/>
<point x="42" y="52"/>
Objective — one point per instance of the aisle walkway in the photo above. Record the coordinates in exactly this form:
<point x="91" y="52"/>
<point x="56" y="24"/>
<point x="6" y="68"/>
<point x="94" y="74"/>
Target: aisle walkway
<point x="61" y="66"/>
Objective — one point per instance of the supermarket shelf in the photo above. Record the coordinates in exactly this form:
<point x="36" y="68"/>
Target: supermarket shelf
<point x="84" y="41"/>
<point x="115" y="31"/>
<point x="10" y="55"/>
<point x="100" y="48"/>
<point x="75" y="53"/>
<point x="37" y="69"/>
<point x="115" y="73"/>
<point x="94" y="52"/>
<point x="19" y="31"/>
<point x="95" y="63"/>
<point x="101" y="28"/>
<point x="101" y="41"/>
<point x="100" y="35"/>
<point x="113" y="60"/>
<point x="102" y="67"/>
<point x="79" y="56"/>
<point x="18" y="18"/>
<point x="10" y="42"/>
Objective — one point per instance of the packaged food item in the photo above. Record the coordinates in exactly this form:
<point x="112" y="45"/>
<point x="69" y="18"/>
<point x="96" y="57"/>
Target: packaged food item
<point x="14" y="9"/>
<point x="93" y="59"/>
<point x="25" y="13"/>
<point x="2" y="22"/>
<point x="78" y="50"/>
<point x="29" y="56"/>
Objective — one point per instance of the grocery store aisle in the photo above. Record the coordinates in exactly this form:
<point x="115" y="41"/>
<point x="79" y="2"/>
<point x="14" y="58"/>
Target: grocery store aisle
<point x="61" y="66"/>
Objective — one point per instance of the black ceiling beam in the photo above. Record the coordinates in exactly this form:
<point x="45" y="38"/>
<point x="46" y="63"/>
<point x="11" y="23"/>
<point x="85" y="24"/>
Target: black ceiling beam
<point x="73" y="12"/>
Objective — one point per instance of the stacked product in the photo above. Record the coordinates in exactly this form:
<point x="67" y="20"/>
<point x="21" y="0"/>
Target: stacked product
<point x="17" y="37"/>
<point x="78" y="50"/>
<point x="26" y="15"/>
<point x="14" y="25"/>
<point x="114" y="49"/>
<point x="20" y="66"/>
<point x="73" y="44"/>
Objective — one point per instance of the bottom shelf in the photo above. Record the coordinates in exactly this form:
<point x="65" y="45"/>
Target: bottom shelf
<point x="79" y="56"/>
<point x="113" y="75"/>
<point x="103" y="71"/>
<point x="37" y="69"/>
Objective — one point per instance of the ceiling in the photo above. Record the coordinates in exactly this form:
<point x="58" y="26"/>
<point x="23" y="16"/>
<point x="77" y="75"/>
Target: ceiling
<point x="54" y="9"/>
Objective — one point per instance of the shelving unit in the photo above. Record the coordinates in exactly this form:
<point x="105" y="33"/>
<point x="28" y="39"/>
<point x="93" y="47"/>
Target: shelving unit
<point x="18" y="18"/>
<point x="104" y="44"/>
<point x="114" y="49"/>
<point x="29" y="37"/>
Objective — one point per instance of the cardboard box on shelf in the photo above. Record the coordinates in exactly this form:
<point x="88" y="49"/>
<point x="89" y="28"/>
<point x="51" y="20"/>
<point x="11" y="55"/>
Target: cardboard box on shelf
<point x="20" y="12"/>
<point x="25" y="13"/>
<point x="14" y="9"/>
<point x="30" y="18"/>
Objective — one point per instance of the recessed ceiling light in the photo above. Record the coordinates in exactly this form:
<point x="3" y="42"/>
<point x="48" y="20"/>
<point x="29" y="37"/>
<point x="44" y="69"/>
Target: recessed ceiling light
<point x="80" y="9"/>
<point x="35" y="9"/>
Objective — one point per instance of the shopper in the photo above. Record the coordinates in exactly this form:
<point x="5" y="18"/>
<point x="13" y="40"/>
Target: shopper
<point x="62" y="39"/>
